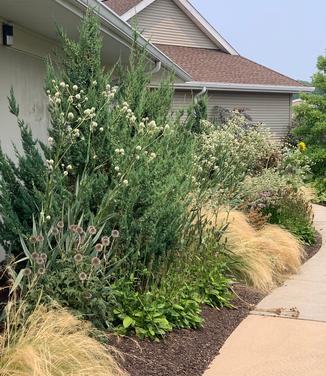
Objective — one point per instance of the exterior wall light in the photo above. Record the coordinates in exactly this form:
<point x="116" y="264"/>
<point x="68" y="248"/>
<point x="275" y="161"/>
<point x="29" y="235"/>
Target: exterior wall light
<point x="8" y="34"/>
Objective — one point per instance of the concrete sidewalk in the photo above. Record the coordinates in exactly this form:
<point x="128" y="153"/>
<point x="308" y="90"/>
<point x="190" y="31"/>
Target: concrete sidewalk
<point x="292" y="343"/>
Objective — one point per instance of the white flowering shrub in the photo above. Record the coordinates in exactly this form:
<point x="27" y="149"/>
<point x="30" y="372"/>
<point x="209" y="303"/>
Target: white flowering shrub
<point x="229" y="152"/>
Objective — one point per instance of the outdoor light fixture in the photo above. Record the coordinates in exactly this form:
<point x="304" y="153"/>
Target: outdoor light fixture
<point x="8" y="34"/>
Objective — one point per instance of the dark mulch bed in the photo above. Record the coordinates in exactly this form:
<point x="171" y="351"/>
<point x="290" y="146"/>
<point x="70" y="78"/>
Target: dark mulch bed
<point x="187" y="352"/>
<point x="311" y="250"/>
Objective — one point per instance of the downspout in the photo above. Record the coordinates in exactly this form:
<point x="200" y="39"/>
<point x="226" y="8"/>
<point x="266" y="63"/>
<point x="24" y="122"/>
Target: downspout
<point x="203" y="92"/>
<point x="156" y="69"/>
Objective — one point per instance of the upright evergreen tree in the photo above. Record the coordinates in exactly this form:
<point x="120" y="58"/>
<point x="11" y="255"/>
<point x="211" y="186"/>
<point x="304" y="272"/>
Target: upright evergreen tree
<point x="310" y="118"/>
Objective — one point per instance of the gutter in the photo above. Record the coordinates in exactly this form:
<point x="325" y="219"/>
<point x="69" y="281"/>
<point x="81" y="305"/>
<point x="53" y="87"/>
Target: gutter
<point x="194" y="85"/>
<point x="111" y="21"/>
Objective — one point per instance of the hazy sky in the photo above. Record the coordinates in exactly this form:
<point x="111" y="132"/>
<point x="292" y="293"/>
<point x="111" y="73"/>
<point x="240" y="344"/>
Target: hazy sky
<point x="285" y="35"/>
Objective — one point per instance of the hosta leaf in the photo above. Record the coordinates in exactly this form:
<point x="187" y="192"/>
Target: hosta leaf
<point x="127" y="321"/>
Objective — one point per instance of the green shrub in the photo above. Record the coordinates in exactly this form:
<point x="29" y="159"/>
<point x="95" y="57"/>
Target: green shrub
<point x="310" y="126"/>
<point x="176" y="302"/>
<point x="277" y="197"/>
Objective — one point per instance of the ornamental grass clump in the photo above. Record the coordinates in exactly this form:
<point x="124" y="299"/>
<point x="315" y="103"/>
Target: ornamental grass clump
<point x="263" y="258"/>
<point x="53" y="342"/>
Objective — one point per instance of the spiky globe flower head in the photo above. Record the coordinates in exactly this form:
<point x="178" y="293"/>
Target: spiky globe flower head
<point x="27" y="272"/>
<point x="55" y="231"/>
<point x="78" y="258"/>
<point x="33" y="239"/>
<point x="152" y="124"/>
<point x="92" y="230"/>
<point x="39" y="260"/>
<point x="40" y="238"/>
<point x="60" y="225"/>
<point x="105" y="240"/>
<point x="35" y="255"/>
<point x="115" y="234"/>
<point x="96" y="261"/>
<point x="75" y="87"/>
<point x="98" y="247"/>
<point x="82" y="276"/>
<point x="41" y="271"/>
<point x="73" y="228"/>
<point x="125" y="182"/>
<point x="70" y="116"/>
<point x="79" y="230"/>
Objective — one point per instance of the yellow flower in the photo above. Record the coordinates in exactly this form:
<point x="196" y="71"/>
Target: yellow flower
<point x="302" y="146"/>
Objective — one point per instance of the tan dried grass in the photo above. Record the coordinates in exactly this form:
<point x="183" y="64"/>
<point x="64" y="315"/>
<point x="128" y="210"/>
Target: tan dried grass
<point x="54" y="343"/>
<point x="266" y="257"/>
<point x="309" y="193"/>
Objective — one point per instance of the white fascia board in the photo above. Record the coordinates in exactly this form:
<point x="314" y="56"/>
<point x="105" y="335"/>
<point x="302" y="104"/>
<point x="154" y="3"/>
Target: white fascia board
<point x="194" y="85"/>
<point x="194" y="15"/>
<point x="136" y="9"/>
<point x="110" y="20"/>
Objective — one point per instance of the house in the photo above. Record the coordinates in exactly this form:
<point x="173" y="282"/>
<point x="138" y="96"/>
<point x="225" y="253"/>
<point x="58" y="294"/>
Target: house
<point x="180" y="41"/>
<point x="22" y="65"/>
<point x="231" y="80"/>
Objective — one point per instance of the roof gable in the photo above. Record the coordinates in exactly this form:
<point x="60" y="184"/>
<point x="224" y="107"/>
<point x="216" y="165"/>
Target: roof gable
<point x="164" y="22"/>
<point x="203" y="25"/>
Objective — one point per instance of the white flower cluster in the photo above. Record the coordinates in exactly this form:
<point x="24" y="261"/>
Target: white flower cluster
<point x="109" y="93"/>
<point x="145" y="125"/>
<point x="128" y="113"/>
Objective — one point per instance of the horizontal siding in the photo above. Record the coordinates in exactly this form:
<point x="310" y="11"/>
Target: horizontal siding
<point x="164" y="22"/>
<point x="271" y="109"/>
